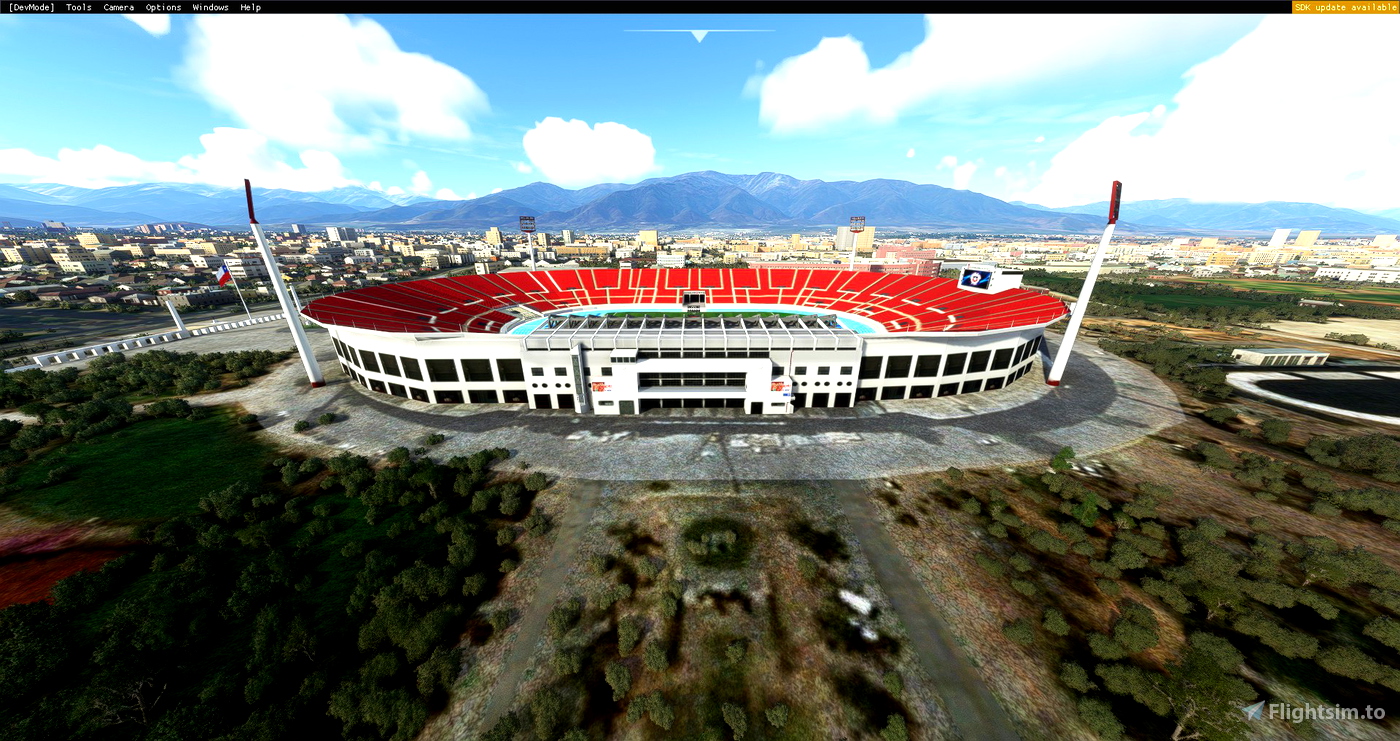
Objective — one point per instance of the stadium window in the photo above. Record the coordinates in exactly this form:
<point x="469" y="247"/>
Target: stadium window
<point x="368" y="362"/>
<point x="411" y="369"/>
<point x="870" y="367"/>
<point x="842" y="400"/>
<point x="978" y="362"/>
<point x="778" y="370"/>
<point x="537" y="371"/>
<point x="1022" y="352"/>
<point x="920" y="392"/>
<point x="515" y="397"/>
<point x="441" y="371"/>
<point x="927" y="365"/>
<point x="351" y="354"/>
<point x="418" y="394"/>
<point x="776" y="403"/>
<point x="482" y="397"/>
<point x="566" y="401"/>
<point x="994" y="384"/>
<point x="948" y="389"/>
<point x="846" y="370"/>
<point x="605" y="403"/>
<point x="509" y="370"/>
<point x="823" y="370"/>
<point x="346" y="368"/>
<point x="544" y="401"/>
<point x="448" y="397"/>
<point x="800" y="370"/>
<point x="476" y="370"/>
<point x="606" y="370"/>
<point x="897" y="366"/>
<point x="891" y="392"/>
<point x="561" y="371"/>
<point x="1002" y="359"/>
<point x="971" y="387"/>
<point x="397" y="390"/>
<point x="1035" y="343"/>
<point x="954" y="366"/>
<point x="390" y="364"/>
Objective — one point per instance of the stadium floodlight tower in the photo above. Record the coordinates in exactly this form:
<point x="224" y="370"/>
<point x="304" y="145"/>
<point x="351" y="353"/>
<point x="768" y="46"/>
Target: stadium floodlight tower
<point x="527" y="227"/>
<point x="857" y="226"/>
<point x="1076" y="317"/>
<point x="308" y="358"/>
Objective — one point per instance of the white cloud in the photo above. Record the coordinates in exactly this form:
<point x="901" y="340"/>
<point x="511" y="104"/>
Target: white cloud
<point x="421" y="183"/>
<point x="326" y="81"/>
<point x="395" y="190"/>
<point x="155" y="24"/>
<point x="834" y="82"/>
<point x="495" y="191"/>
<point x="1324" y="132"/>
<point x="523" y="168"/>
<point x="229" y="156"/>
<point x="570" y="153"/>
<point x="999" y="172"/>
<point x="1040" y="140"/>
<point x="446" y="194"/>
<point x="962" y="175"/>
<point x="910" y="153"/>
<point x="948" y="161"/>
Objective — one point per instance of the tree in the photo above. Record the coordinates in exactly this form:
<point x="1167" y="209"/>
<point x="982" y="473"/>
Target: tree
<point x="1055" y="622"/>
<point x="1074" y="677"/>
<point x="895" y="729"/>
<point x="777" y="715"/>
<point x="619" y="677"/>
<point x="301" y="426"/>
<point x="654" y="657"/>
<point x="737" y="719"/>
<point x="629" y="631"/>
<point x="1062" y="460"/>
<point x="1201" y="692"/>
<point x="1276" y="431"/>
<point x="1098" y="715"/>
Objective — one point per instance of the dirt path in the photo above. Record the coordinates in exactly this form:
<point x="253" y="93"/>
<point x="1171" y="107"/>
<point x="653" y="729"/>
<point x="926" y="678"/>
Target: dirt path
<point x="572" y="528"/>
<point x="973" y="708"/>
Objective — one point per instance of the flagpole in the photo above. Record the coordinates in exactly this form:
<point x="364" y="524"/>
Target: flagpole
<point x="239" y="291"/>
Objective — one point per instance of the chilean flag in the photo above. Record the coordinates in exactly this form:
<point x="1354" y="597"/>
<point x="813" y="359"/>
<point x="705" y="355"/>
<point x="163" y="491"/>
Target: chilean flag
<point x="223" y="275"/>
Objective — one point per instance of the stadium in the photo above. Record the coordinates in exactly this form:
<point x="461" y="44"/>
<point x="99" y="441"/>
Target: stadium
<point x="627" y="341"/>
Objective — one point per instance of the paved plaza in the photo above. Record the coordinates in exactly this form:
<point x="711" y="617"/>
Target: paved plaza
<point x="1105" y="402"/>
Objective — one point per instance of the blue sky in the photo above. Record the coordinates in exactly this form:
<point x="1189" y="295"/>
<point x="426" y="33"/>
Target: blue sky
<point x="1046" y="109"/>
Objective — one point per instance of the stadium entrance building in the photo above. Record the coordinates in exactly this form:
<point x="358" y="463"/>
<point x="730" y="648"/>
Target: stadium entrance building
<point x="627" y="341"/>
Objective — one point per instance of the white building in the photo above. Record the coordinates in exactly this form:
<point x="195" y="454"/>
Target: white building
<point x="341" y="234"/>
<point x="1279" y="356"/>
<point x="244" y="265"/>
<point x="670" y="261"/>
<point x="1365" y="275"/>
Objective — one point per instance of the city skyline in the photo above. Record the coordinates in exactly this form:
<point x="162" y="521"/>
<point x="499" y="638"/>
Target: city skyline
<point x="1040" y="109"/>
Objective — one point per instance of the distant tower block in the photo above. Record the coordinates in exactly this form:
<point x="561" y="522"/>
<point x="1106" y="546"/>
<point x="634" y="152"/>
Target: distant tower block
<point x="1306" y="239"/>
<point x="1383" y="240"/>
<point x="1280" y="238"/>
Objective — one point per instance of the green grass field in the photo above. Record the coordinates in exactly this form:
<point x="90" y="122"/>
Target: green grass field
<point x="1194" y="302"/>
<point x="150" y="470"/>
<point x="1308" y="290"/>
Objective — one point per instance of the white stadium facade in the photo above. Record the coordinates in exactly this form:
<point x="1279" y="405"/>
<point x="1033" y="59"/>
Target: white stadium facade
<point x="627" y="341"/>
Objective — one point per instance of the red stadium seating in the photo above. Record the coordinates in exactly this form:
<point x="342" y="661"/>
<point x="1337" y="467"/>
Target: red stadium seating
<point x="482" y="303"/>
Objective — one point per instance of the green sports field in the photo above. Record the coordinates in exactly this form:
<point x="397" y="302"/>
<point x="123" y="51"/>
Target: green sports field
<point x="1372" y="294"/>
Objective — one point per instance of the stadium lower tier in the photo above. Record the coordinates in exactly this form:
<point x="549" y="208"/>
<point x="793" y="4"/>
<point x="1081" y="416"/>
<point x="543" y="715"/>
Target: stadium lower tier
<point x="835" y="371"/>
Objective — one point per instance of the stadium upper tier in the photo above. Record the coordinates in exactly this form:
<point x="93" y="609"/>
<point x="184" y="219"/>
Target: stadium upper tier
<point x="487" y="303"/>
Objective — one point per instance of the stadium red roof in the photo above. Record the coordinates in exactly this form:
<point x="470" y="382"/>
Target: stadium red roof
<point x="477" y="303"/>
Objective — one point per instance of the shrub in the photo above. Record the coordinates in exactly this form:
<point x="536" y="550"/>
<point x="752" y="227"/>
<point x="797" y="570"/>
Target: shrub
<point x="1214" y="455"/>
<point x="567" y="661"/>
<point x="737" y="719"/>
<point x="326" y="418"/>
<point x="398" y="456"/>
<point x="1098" y="715"/>
<point x="807" y="567"/>
<point x="1276" y="430"/>
<point x="629" y="632"/>
<point x="437" y="438"/>
<point x="536" y="481"/>
<point x="1055" y="622"/>
<point x="895" y="729"/>
<point x="735" y="651"/>
<point x="508" y="565"/>
<point x="1062" y="459"/>
<point x="537" y="523"/>
<point x="971" y="506"/>
<point x="1221" y="415"/>
<point x="564" y="616"/>
<point x="500" y="620"/>
<point x="505" y="536"/>
<point x="301" y="426"/>
<point x="777" y="715"/>
<point x="1074" y="677"/>
<point x="893" y="683"/>
<point x="619" y="677"/>
<point x="654" y="657"/>
<point x="1020" y="631"/>
<point x="989" y="564"/>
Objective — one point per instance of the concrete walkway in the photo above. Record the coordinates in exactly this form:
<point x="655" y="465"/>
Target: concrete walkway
<point x="974" y="710"/>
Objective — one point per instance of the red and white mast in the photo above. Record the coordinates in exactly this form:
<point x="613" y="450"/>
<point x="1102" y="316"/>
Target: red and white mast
<point x="308" y="358"/>
<point x="857" y="226"/>
<point x="1076" y="316"/>
<point x="527" y="227"/>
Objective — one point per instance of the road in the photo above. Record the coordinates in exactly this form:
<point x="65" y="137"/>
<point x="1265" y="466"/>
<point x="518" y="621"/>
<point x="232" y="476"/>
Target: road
<point x="974" y="710"/>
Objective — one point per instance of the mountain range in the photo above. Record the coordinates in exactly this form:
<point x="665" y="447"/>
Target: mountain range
<point x="696" y="200"/>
